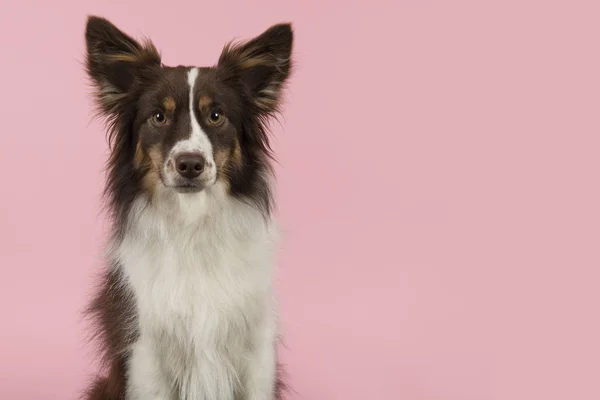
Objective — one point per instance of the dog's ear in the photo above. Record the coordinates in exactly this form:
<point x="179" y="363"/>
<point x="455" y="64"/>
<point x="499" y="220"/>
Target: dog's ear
<point x="115" y="62"/>
<point x="262" y="64"/>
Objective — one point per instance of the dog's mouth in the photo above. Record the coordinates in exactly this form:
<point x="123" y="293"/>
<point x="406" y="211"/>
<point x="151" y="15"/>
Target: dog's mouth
<point x="182" y="185"/>
<point x="188" y="188"/>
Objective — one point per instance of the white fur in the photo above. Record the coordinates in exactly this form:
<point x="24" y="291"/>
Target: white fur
<point x="200" y="269"/>
<point x="198" y="142"/>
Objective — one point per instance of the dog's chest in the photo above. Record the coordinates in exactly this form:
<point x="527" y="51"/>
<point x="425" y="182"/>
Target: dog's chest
<point x="201" y="294"/>
<point x="202" y="286"/>
<point x="198" y="292"/>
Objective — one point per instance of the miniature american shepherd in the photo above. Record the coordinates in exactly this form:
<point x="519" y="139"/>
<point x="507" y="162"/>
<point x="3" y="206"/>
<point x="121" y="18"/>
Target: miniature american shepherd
<point x="185" y="308"/>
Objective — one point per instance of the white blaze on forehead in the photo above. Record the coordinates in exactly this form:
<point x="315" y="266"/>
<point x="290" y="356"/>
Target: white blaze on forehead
<point x="198" y="140"/>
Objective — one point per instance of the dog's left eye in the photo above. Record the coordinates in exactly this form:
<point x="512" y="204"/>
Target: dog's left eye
<point x="215" y="117"/>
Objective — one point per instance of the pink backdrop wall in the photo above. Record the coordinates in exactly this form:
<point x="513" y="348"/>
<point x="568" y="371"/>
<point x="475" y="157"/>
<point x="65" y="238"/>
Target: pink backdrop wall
<point x="438" y="185"/>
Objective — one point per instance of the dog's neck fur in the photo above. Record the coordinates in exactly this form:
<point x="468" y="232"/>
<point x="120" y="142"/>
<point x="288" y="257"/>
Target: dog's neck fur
<point x="213" y="210"/>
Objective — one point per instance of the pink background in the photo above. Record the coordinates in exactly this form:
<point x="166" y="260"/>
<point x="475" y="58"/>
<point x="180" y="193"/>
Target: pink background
<point x="439" y="187"/>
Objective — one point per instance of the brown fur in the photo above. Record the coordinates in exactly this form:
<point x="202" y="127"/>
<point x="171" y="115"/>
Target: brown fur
<point x="114" y="310"/>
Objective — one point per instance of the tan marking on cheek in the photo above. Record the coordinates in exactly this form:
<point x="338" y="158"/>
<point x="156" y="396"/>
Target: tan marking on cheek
<point x="205" y="102"/>
<point x="169" y="104"/>
<point x="152" y="177"/>
<point x="236" y="155"/>
<point x="228" y="162"/>
<point x="149" y="162"/>
<point x="156" y="157"/>
<point x="138" y="159"/>
<point x="221" y="157"/>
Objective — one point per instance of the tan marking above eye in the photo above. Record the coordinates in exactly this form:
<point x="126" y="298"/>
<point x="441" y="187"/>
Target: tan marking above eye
<point x="169" y="104"/>
<point x="205" y="102"/>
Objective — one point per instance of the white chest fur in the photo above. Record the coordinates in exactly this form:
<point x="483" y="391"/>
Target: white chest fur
<point x="200" y="269"/>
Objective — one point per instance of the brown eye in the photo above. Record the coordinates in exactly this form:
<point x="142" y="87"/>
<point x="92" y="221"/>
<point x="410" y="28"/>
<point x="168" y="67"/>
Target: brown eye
<point x="215" y="117"/>
<point x="159" y="118"/>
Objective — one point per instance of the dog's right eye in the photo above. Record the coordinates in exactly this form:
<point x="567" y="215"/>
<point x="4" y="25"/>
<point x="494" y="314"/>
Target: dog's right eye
<point x="159" y="118"/>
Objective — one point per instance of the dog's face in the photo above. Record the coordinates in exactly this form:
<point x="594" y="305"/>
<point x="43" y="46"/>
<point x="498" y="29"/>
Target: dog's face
<point x="188" y="128"/>
<point x="185" y="128"/>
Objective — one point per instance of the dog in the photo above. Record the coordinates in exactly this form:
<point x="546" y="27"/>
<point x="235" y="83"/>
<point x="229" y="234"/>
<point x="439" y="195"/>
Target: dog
<point x="185" y="308"/>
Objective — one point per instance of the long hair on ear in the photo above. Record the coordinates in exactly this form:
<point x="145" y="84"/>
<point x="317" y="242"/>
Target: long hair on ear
<point x="262" y="67"/>
<point x="117" y="65"/>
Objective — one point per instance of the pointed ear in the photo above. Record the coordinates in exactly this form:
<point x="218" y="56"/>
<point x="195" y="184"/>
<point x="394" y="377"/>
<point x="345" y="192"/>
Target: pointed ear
<point x="262" y="64"/>
<point x="115" y="61"/>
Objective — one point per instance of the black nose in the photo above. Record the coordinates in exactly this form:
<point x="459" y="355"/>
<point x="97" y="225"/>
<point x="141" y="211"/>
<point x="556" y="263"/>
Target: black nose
<point x="189" y="165"/>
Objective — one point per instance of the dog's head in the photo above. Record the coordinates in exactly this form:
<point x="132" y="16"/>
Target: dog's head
<point x="185" y="128"/>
